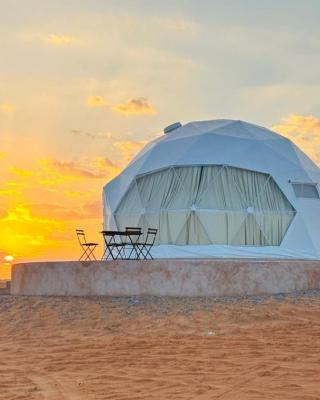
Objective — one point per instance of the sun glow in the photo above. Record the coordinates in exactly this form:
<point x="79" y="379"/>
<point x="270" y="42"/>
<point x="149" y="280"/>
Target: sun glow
<point x="8" y="258"/>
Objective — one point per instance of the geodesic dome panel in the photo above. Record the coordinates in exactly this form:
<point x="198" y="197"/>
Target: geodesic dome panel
<point x="207" y="204"/>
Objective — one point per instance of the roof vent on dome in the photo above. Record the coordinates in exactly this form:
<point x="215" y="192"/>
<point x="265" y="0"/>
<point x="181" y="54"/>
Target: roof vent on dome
<point x="172" y="127"/>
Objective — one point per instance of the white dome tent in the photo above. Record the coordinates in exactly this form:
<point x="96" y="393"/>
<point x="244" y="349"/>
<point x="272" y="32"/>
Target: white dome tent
<point x="223" y="189"/>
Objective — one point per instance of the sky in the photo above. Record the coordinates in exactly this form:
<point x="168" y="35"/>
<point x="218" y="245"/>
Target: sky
<point x="85" y="84"/>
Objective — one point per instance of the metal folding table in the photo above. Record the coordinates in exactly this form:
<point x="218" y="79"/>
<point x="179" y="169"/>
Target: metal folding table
<point x="116" y="243"/>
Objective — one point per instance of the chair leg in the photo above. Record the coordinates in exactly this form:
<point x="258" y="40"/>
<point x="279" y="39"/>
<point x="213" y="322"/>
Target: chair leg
<point x="144" y="252"/>
<point x="148" y="249"/>
<point x="90" y="253"/>
<point x="140" y="255"/>
<point x="103" y="255"/>
<point x="84" y="255"/>
<point x="137" y="251"/>
<point x="91" y="250"/>
<point x="134" y="249"/>
<point x="107" y="254"/>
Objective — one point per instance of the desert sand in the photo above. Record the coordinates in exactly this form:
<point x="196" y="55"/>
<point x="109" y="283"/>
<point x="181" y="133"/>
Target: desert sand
<point x="151" y="348"/>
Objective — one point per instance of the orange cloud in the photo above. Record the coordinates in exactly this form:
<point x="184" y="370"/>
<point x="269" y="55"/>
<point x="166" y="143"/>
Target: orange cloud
<point x="99" y="168"/>
<point x="60" y="212"/>
<point x="7" y="108"/>
<point x="74" y="193"/>
<point x="59" y="39"/>
<point x="104" y="162"/>
<point x="74" y="169"/>
<point x="21" y="171"/>
<point x="15" y="184"/>
<point x="50" y="173"/>
<point x="9" y="192"/>
<point x="98" y="135"/>
<point x="129" y="149"/>
<point x="93" y="208"/>
<point x="96" y="101"/>
<point x="297" y="124"/>
<point x="21" y="230"/>
<point x="139" y="106"/>
<point x="304" y="131"/>
<point x="3" y="213"/>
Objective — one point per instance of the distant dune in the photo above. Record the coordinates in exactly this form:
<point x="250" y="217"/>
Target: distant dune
<point x="151" y="348"/>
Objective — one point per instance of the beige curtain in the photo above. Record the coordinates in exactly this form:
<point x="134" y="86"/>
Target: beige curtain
<point x="198" y="205"/>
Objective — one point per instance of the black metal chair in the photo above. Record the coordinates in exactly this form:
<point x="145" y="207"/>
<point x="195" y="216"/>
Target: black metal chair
<point x="144" y="248"/>
<point x="113" y="245"/>
<point x="131" y="245"/>
<point x="87" y="247"/>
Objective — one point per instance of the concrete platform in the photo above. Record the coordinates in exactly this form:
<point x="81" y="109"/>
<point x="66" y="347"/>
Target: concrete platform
<point x="197" y="277"/>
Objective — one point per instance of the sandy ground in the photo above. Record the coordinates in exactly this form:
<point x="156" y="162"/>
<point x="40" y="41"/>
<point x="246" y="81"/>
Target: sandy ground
<point x="149" y="348"/>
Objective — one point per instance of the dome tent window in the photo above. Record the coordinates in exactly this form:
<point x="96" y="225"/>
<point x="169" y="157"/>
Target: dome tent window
<point x="305" y="190"/>
<point x="201" y="205"/>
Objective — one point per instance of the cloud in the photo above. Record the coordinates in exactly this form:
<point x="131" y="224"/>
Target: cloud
<point x="299" y="124"/>
<point x="51" y="175"/>
<point x="96" y="101"/>
<point x="129" y="149"/>
<point x="98" y="168"/>
<point x="139" y="106"/>
<point x="22" y="231"/>
<point x="176" y="25"/>
<point x="61" y="212"/>
<point x="15" y="184"/>
<point x="75" y="193"/>
<point x="93" y="209"/>
<point x="2" y="154"/>
<point x="98" y="135"/>
<point x="9" y="192"/>
<point x="21" y="171"/>
<point x="3" y="213"/>
<point x="104" y="162"/>
<point x="59" y="39"/>
<point x="73" y="169"/>
<point x="7" y="108"/>
<point x="304" y="131"/>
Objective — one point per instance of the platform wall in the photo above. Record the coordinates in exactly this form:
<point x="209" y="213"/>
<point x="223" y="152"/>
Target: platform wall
<point x="164" y="277"/>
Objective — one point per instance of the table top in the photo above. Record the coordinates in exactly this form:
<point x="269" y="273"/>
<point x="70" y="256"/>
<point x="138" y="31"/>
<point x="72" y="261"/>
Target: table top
<point x="125" y="233"/>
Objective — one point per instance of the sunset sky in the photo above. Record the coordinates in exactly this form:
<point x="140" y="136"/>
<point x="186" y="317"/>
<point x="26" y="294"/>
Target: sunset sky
<point x="85" y="84"/>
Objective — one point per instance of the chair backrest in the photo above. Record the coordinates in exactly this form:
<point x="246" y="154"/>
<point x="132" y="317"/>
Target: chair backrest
<point x="151" y="236"/>
<point x="133" y="229"/>
<point x="81" y="236"/>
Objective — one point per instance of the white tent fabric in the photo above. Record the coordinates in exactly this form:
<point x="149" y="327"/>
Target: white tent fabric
<point x="198" y="205"/>
<point x="220" y="188"/>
